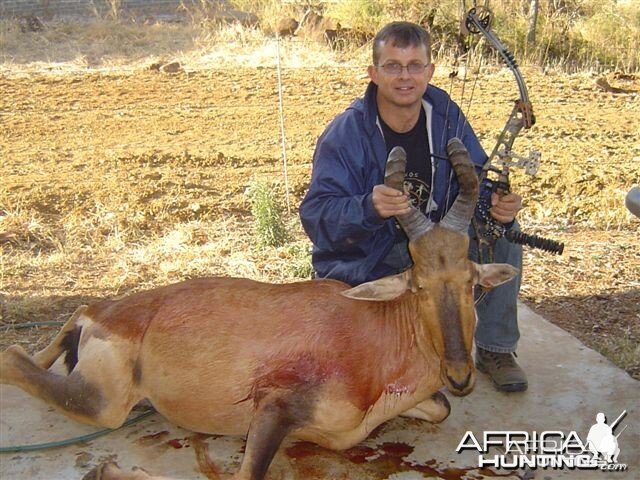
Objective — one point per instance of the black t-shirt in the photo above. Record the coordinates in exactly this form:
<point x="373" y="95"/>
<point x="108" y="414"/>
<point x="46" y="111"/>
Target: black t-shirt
<point x="417" y="180"/>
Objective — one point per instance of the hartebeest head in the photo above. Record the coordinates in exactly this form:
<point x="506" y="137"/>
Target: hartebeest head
<point x="442" y="278"/>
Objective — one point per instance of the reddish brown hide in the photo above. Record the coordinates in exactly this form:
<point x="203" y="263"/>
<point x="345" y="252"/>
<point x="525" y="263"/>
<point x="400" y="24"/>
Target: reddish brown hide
<point x="316" y="360"/>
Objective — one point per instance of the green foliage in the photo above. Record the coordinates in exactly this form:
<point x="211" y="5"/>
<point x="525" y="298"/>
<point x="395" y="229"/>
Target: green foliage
<point x="268" y="214"/>
<point x="365" y="16"/>
<point x="613" y="33"/>
<point x="299" y="262"/>
<point x="368" y="16"/>
<point x="573" y="34"/>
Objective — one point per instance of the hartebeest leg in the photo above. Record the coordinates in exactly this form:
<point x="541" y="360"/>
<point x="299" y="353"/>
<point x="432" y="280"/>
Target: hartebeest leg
<point x="433" y="410"/>
<point x="273" y="419"/>
<point x="72" y="394"/>
<point x="99" y="394"/>
<point x="45" y="358"/>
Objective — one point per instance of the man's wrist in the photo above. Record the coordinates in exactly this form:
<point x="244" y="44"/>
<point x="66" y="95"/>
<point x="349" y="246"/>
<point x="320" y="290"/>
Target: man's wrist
<point x="371" y="215"/>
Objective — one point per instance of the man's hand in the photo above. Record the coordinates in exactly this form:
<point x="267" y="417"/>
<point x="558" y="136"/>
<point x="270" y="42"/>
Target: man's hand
<point x="388" y="201"/>
<point x="505" y="207"/>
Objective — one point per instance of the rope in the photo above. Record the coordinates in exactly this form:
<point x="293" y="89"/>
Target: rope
<point x="71" y="441"/>
<point x="282" y="131"/>
<point x="20" y="326"/>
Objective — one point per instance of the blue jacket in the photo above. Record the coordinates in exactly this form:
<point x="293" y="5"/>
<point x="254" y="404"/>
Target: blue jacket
<point x="350" y="240"/>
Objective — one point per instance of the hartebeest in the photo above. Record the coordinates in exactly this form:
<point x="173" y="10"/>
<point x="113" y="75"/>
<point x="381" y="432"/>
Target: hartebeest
<point x="316" y="360"/>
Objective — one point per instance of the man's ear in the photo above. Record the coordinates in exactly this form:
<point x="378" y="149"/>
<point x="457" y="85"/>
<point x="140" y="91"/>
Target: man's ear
<point x="431" y="68"/>
<point x="491" y="275"/>
<point x="386" y="288"/>
<point x="373" y="73"/>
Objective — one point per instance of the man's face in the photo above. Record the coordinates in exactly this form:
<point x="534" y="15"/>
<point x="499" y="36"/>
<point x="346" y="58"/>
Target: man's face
<point x="404" y="89"/>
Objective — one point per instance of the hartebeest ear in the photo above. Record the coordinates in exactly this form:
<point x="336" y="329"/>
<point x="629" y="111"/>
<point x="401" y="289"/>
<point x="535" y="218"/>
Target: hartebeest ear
<point x="386" y="288"/>
<point x="493" y="274"/>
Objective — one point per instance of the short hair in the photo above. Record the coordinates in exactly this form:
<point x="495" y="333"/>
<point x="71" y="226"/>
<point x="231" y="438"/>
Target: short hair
<point x="402" y="35"/>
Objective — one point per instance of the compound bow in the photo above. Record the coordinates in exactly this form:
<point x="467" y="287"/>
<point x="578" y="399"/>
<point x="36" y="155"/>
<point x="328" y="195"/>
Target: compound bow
<point x="495" y="174"/>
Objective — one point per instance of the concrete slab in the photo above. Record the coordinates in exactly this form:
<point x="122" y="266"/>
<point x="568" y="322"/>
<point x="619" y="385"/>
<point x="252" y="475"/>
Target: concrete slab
<point x="569" y="385"/>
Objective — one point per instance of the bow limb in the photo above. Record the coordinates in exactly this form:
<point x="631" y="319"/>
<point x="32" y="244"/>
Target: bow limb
<point x="478" y="20"/>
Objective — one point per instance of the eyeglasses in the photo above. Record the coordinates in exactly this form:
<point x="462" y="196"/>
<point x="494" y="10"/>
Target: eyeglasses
<point x="394" y="68"/>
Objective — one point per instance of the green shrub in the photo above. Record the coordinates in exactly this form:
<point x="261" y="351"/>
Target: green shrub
<point x="299" y="264"/>
<point x="268" y="214"/>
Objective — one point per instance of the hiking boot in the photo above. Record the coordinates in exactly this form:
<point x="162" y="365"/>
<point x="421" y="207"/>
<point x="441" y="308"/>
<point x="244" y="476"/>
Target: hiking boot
<point x="503" y="370"/>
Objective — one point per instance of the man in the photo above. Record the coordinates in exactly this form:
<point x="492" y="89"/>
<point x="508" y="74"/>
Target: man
<point x="348" y="212"/>
<point x="600" y="437"/>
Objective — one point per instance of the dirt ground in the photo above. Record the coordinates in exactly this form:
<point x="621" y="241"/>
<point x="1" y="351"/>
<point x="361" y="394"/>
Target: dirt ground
<point x="115" y="181"/>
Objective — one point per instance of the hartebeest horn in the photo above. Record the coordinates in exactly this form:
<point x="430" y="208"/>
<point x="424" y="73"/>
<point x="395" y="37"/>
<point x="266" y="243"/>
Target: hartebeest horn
<point x="414" y="223"/>
<point x="461" y="212"/>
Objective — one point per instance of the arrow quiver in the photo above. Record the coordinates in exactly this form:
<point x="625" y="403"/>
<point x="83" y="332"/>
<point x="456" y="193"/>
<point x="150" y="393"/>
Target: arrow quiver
<point x="495" y="173"/>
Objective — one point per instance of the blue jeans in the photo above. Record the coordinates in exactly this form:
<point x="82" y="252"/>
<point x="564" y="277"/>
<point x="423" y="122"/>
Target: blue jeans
<point x="497" y="327"/>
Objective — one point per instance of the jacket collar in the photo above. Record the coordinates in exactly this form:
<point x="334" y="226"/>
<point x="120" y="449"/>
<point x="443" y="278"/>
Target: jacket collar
<point x="370" y="108"/>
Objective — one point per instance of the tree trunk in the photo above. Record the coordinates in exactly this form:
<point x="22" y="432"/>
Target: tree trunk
<point x="533" y="20"/>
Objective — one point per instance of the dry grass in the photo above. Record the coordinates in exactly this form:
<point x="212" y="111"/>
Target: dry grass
<point x="76" y="45"/>
<point x="118" y="178"/>
<point x="107" y="45"/>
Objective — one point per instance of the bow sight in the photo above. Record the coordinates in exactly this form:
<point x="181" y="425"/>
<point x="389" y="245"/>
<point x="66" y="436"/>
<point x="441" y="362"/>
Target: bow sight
<point x="495" y="174"/>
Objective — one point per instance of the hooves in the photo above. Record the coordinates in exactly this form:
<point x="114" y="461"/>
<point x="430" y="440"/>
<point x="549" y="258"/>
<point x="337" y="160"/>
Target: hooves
<point x="434" y="410"/>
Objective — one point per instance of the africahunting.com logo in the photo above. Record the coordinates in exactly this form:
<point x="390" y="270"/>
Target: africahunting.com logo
<point x="551" y="449"/>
